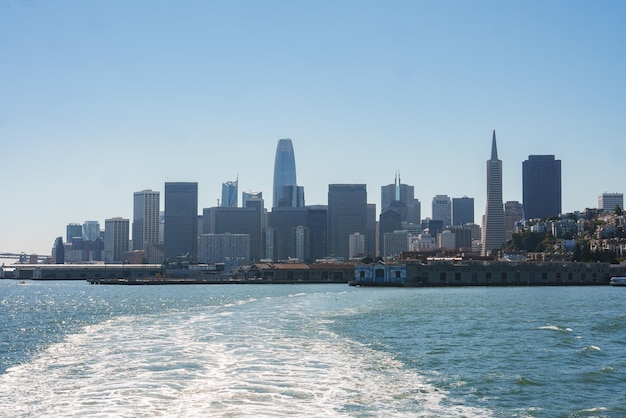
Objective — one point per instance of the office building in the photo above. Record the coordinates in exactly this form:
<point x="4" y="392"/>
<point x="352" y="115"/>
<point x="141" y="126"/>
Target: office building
<point x="371" y="244"/>
<point x="396" y="191"/>
<point x="58" y="251"/>
<point x="446" y="239"/>
<point x="302" y="245"/>
<point x="607" y="202"/>
<point x="220" y="248"/>
<point x="284" y="170"/>
<point x="229" y="194"/>
<point x="291" y="197"/>
<point x="356" y="245"/>
<point x="442" y="210"/>
<point x="297" y="233"/>
<point x="347" y="214"/>
<point x="181" y="221"/>
<point x="513" y="214"/>
<point x="395" y="243"/>
<point x="91" y="230"/>
<point x="146" y="205"/>
<point x="462" y="210"/>
<point x="389" y="221"/>
<point x="249" y="195"/>
<point x="493" y="221"/>
<point x="116" y="236"/>
<point x="248" y="221"/>
<point x="73" y="231"/>
<point x="541" y="189"/>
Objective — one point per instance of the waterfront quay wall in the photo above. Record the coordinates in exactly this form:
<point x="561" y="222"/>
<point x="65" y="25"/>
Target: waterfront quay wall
<point x="85" y="271"/>
<point x="508" y="274"/>
<point x="482" y="273"/>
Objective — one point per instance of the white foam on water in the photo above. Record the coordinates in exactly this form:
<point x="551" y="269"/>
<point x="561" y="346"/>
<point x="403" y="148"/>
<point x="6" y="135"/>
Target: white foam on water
<point x="556" y="328"/>
<point x="217" y="364"/>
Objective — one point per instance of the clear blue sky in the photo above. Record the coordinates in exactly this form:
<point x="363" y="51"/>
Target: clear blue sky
<point x="99" y="99"/>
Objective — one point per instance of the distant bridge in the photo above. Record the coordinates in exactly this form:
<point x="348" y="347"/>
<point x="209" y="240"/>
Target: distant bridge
<point x="22" y="257"/>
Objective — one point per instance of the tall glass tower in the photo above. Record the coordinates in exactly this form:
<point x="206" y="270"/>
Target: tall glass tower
<point x="347" y="214"/>
<point x="493" y="222"/>
<point x="181" y="220"/>
<point x="541" y="189"/>
<point x="284" y="170"/>
<point x="229" y="194"/>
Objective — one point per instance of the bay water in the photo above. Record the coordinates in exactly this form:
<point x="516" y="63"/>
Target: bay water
<point x="72" y="349"/>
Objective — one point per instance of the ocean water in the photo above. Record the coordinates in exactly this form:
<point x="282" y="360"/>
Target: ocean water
<point x="72" y="349"/>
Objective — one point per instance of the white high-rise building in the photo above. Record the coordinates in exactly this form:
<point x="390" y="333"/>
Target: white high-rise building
<point x="423" y="242"/>
<point x="356" y="244"/>
<point x="494" y="234"/>
<point x="396" y="242"/>
<point x="145" y="219"/>
<point x="446" y="239"/>
<point x="116" y="236"/>
<point x="609" y="201"/>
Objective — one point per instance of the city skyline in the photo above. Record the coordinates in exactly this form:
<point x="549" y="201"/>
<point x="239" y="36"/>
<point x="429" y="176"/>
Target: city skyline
<point x="101" y="102"/>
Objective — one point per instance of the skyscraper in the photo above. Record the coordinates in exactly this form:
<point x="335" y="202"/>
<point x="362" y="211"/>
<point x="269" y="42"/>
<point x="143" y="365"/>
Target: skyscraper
<point x="513" y="213"/>
<point x="462" y="210"/>
<point x="396" y="191"/>
<point x="73" y="231"/>
<point x="249" y="195"/>
<point x="181" y="220"/>
<point x="246" y="221"/>
<point x="298" y="232"/>
<point x="229" y="194"/>
<point x="493" y="220"/>
<point x="91" y="230"/>
<point x="347" y="214"/>
<point x="145" y="219"/>
<point x="284" y="170"/>
<point x="541" y="190"/>
<point x="115" y="239"/>
<point x="442" y="209"/>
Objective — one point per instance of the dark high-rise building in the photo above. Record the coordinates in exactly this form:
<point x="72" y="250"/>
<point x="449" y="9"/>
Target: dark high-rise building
<point x="73" y="231"/>
<point x="442" y="209"/>
<point x="145" y="219"/>
<point x="247" y="196"/>
<point x="59" y="251"/>
<point x="462" y="210"/>
<point x="291" y="197"/>
<point x="298" y="233"/>
<point x="390" y="221"/>
<point x="284" y="170"/>
<point x="513" y="213"/>
<point x="181" y="221"/>
<point x="370" y="247"/>
<point x="347" y="214"/>
<point x="229" y="194"/>
<point x="541" y="176"/>
<point x="493" y="221"/>
<point x="396" y="191"/>
<point x="246" y="220"/>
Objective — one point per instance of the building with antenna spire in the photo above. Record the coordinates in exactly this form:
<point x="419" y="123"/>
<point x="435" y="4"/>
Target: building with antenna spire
<point x="493" y="221"/>
<point x="229" y="193"/>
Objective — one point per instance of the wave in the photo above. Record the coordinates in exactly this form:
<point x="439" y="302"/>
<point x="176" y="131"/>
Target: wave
<point x="204" y="364"/>
<point x="556" y="328"/>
